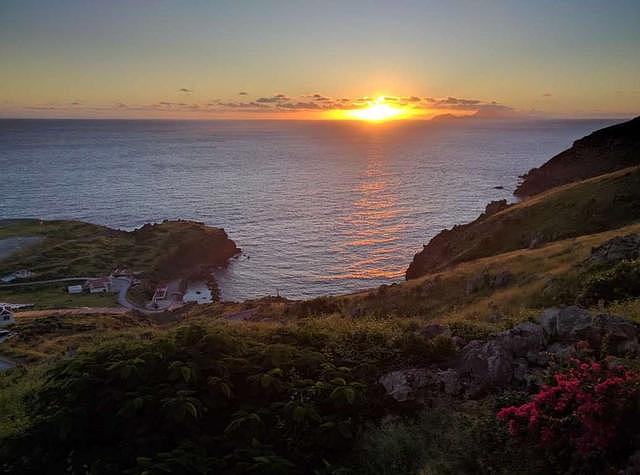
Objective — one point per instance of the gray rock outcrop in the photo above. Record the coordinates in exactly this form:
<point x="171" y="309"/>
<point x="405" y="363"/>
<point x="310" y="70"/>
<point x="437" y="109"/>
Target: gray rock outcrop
<point x="518" y="356"/>
<point x="615" y="250"/>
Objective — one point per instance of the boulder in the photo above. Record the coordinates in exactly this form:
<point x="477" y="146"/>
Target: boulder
<point x="568" y="324"/>
<point x="524" y="340"/>
<point x="621" y="335"/>
<point x="405" y="385"/>
<point x="449" y="380"/>
<point x="486" y="364"/>
<point x="615" y="250"/>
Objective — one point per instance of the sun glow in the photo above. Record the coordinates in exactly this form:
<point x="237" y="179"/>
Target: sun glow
<point x="377" y="110"/>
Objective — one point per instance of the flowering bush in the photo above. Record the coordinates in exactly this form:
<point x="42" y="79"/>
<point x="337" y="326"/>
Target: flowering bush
<point x="589" y="407"/>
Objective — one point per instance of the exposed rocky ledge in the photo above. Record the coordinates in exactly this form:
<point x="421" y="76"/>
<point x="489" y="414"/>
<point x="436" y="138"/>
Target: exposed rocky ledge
<point x="516" y="357"/>
<point x="603" y="151"/>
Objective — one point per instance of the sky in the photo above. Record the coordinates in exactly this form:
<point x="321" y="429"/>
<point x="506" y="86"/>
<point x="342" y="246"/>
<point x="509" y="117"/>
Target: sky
<point x="313" y="59"/>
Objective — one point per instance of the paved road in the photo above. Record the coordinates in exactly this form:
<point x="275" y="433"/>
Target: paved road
<point x="122" y="284"/>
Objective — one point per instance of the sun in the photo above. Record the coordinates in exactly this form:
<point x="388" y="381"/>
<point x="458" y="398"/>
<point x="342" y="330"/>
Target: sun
<point x="378" y="110"/>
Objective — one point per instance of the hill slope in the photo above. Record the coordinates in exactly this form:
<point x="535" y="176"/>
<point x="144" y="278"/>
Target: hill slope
<point x="603" y="151"/>
<point x="72" y="248"/>
<point x="595" y="205"/>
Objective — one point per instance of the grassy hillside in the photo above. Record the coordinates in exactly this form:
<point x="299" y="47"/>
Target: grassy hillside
<point x="603" y="151"/>
<point x="595" y="205"/>
<point x="71" y="248"/>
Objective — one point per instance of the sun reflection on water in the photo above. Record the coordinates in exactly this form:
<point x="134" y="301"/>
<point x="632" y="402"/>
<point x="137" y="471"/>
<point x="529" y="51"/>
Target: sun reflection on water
<point x="373" y="225"/>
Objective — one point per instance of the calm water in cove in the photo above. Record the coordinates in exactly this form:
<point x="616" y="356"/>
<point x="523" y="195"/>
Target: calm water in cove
<point x="318" y="207"/>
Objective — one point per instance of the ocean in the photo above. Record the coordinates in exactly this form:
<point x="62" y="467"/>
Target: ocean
<point x="317" y="207"/>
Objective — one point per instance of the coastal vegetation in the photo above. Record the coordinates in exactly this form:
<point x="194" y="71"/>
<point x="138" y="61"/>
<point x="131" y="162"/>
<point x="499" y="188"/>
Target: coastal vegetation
<point x="514" y="348"/>
<point x="76" y="249"/>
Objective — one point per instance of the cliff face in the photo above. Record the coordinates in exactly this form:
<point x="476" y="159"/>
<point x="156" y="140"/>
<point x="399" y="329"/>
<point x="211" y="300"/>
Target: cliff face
<point x="598" y="204"/>
<point x="604" y="151"/>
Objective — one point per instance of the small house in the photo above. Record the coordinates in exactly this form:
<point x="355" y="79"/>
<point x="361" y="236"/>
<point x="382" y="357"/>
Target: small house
<point x="74" y="289"/>
<point x="6" y="316"/>
<point x="98" y="285"/>
<point x="159" y="294"/>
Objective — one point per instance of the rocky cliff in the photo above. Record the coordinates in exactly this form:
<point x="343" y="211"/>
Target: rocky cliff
<point x="603" y="151"/>
<point x="594" y="205"/>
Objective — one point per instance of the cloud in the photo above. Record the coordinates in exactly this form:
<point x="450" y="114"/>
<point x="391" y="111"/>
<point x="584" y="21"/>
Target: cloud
<point x="547" y="94"/>
<point x="319" y="98"/>
<point x="299" y="106"/>
<point x="284" y="103"/>
<point x="273" y="99"/>
<point x="185" y="90"/>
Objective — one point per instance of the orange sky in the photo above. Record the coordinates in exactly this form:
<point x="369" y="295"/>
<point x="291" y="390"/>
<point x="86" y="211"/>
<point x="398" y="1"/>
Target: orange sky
<point x="280" y="59"/>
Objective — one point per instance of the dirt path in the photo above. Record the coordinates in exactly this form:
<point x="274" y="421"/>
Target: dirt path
<point x="73" y="311"/>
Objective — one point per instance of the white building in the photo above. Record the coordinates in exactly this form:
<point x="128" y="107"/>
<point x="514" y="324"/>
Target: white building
<point x="6" y="316"/>
<point x="98" y="285"/>
<point x="74" y="289"/>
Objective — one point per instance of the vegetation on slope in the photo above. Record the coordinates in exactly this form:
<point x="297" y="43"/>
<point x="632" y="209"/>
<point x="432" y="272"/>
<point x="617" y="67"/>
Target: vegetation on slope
<point x="603" y="151"/>
<point x="592" y="206"/>
<point x="261" y="399"/>
<point x="72" y="248"/>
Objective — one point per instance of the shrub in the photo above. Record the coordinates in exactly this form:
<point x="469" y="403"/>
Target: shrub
<point x="589" y="409"/>
<point x="618" y="283"/>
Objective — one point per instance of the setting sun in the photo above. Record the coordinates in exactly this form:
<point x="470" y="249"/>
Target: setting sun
<point x="378" y="110"/>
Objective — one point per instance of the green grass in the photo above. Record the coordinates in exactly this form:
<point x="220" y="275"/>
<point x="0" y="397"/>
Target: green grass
<point x="48" y="296"/>
<point x="592" y="206"/>
<point x="72" y="248"/>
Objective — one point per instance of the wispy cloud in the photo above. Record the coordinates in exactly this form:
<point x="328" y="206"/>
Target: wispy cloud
<point x="282" y="103"/>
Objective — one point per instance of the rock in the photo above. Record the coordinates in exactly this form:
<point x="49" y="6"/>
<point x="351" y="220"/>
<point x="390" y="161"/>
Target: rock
<point x="524" y="340"/>
<point x="615" y="250"/>
<point x="458" y="341"/>
<point x="621" y="334"/>
<point x="405" y="385"/>
<point x="450" y="381"/>
<point x="568" y="324"/>
<point x="495" y="207"/>
<point x="486" y="364"/>
<point x="520" y="370"/>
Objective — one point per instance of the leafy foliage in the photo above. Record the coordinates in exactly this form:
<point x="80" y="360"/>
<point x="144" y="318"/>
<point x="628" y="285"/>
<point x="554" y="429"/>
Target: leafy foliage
<point x="588" y="412"/>
<point x="196" y="402"/>
<point x="618" y="283"/>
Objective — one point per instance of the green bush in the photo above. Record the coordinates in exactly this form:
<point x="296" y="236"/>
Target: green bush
<point x="196" y="402"/>
<point x="618" y="283"/>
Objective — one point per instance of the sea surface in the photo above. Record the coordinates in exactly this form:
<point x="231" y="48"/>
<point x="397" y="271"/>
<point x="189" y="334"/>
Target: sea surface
<point x="317" y="207"/>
